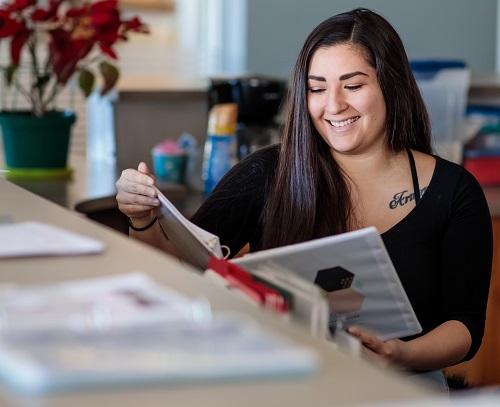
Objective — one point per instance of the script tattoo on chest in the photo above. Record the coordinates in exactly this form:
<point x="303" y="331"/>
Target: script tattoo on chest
<point x="403" y="197"/>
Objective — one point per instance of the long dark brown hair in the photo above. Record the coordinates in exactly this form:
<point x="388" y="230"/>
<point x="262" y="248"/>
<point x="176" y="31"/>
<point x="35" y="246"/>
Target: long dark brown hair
<point x="309" y="196"/>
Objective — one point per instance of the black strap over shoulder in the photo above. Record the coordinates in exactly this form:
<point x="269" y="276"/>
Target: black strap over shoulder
<point x="414" y="176"/>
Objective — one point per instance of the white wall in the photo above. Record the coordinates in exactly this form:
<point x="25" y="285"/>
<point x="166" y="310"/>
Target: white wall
<point x="429" y="28"/>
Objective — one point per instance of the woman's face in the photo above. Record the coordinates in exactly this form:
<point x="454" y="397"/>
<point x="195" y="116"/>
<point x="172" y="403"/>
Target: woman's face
<point x="345" y="101"/>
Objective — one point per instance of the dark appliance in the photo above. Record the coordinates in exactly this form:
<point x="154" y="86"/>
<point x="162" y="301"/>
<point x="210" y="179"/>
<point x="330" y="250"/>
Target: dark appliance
<point x="260" y="101"/>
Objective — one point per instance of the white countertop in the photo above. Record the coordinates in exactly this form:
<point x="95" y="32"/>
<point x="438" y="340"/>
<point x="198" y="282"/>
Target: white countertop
<point x="341" y="380"/>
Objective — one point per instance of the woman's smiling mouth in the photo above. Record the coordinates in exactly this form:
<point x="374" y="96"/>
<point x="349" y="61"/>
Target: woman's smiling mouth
<point x="344" y="122"/>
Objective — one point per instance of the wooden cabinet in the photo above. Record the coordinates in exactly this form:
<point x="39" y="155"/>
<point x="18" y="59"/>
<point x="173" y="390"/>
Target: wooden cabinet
<point x="484" y="368"/>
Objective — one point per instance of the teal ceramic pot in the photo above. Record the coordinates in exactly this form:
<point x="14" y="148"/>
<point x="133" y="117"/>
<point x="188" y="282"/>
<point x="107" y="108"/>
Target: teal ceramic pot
<point x="32" y="142"/>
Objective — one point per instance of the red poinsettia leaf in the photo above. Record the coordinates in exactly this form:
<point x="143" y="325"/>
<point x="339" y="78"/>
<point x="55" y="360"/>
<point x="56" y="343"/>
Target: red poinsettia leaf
<point x="135" y="24"/>
<point x="77" y="12"/>
<point x="108" y="50"/>
<point x="39" y="15"/>
<point x="107" y="38"/>
<point x="8" y="25"/>
<point x="110" y="75"/>
<point x="54" y="7"/>
<point x="101" y="17"/>
<point x="17" y="43"/>
<point x="58" y="37"/>
<point x="20" y="5"/>
<point x="105" y="5"/>
<point x="106" y="23"/>
<point x="66" y="53"/>
<point x="64" y="70"/>
<point x="86" y="81"/>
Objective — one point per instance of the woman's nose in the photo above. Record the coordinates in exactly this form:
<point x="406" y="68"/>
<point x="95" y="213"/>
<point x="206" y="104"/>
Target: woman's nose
<point x="336" y="103"/>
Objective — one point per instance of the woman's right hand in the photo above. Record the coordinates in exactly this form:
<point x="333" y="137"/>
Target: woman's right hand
<point x="136" y="196"/>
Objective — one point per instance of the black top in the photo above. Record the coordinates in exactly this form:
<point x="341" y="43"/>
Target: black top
<point x="442" y="250"/>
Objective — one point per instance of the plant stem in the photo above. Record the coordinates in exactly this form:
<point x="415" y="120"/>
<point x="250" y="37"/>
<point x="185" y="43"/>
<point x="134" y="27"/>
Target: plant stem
<point x="56" y="89"/>
<point x="36" y="85"/>
<point x="3" y="91"/>
<point x="28" y="95"/>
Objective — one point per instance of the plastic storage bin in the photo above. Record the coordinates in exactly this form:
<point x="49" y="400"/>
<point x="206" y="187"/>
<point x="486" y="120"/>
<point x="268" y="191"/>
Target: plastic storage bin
<point x="444" y="86"/>
<point x="482" y="153"/>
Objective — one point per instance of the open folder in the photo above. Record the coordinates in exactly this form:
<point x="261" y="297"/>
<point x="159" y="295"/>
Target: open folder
<point x="192" y="244"/>
<point x="353" y="270"/>
<point x="355" y="274"/>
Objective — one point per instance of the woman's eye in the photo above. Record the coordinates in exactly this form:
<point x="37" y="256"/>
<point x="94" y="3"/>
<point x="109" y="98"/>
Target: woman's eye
<point x="353" y="87"/>
<point x="316" y="90"/>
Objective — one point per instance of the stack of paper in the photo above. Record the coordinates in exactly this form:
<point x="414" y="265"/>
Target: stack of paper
<point x="128" y="329"/>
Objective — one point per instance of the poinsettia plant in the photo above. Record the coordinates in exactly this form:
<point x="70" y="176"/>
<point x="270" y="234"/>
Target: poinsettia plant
<point x="57" y="39"/>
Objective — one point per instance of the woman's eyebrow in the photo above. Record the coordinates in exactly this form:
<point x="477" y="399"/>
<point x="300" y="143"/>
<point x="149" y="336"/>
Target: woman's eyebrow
<point x="351" y="75"/>
<point x="317" y="78"/>
<point x="341" y="78"/>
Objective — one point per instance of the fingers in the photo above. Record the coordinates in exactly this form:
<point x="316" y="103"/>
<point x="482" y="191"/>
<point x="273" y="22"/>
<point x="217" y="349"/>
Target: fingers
<point x="141" y="176"/>
<point x="136" y="196"/>
<point x="383" y="353"/>
<point x="143" y="168"/>
<point x="367" y="339"/>
<point x="373" y="348"/>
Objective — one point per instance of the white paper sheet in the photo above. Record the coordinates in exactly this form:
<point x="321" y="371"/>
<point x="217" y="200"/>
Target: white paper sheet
<point x="192" y="244"/>
<point x="22" y="239"/>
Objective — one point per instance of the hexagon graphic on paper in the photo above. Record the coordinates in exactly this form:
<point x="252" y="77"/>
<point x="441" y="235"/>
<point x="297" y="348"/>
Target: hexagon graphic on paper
<point x="335" y="282"/>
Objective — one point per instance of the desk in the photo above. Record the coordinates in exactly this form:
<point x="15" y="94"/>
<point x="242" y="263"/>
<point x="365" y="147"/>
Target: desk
<point x="341" y="381"/>
<point x="92" y="185"/>
<point x="89" y="179"/>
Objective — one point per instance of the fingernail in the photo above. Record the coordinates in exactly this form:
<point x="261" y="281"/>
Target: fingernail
<point x="352" y="331"/>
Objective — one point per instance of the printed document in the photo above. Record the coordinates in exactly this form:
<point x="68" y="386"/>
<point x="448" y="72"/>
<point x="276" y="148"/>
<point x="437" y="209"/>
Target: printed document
<point x="355" y="274"/>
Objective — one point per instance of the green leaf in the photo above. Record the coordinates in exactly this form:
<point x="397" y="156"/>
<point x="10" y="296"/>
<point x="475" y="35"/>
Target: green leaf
<point x="110" y="75"/>
<point x="9" y="73"/>
<point x="86" y="82"/>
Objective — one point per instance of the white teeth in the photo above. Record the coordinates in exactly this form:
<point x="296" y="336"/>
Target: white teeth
<point x="344" y="123"/>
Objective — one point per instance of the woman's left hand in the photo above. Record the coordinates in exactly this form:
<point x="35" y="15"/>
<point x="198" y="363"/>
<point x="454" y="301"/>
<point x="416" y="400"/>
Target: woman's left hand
<point x="383" y="353"/>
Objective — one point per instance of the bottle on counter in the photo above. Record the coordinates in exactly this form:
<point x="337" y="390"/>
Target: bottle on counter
<point x="221" y="146"/>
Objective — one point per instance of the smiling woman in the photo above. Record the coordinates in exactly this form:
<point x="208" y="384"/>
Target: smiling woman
<point x="355" y="152"/>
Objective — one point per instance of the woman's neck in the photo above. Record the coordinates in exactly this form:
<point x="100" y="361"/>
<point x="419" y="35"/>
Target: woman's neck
<point x="375" y="163"/>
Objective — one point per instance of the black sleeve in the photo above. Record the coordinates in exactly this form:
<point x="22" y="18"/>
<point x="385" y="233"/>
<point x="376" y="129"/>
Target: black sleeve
<point x="467" y="259"/>
<point x="233" y="210"/>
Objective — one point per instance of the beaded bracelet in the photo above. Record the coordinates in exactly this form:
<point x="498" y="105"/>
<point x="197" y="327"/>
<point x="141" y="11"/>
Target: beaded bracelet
<point x="141" y="229"/>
